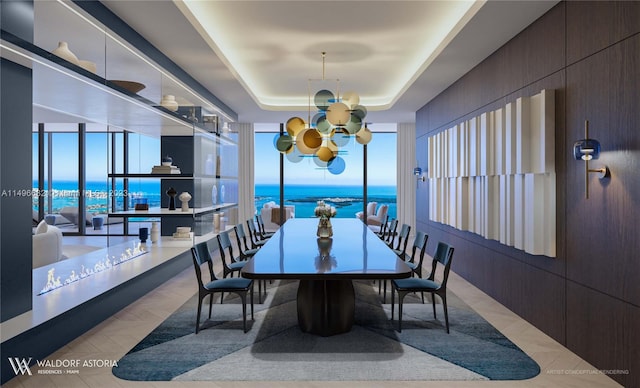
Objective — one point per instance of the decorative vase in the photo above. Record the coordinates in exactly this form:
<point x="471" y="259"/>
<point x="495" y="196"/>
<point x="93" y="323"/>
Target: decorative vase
<point x="144" y="234"/>
<point x="172" y="198"/>
<point x="169" y="102"/>
<point x="185" y="197"/>
<point x="324" y="228"/>
<point x="222" y="194"/>
<point x="88" y="65"/>
<point x="167" y="160"/>
<point x="216" y="222"/>
<point x="155" y="232"/>
<point x="214" y="195"/>
<point x="63" y="52"/>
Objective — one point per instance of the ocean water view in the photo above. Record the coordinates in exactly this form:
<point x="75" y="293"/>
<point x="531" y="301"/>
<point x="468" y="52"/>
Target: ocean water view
<point x="346" y="199"/>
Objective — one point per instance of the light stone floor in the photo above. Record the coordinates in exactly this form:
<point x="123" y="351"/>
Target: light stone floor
<point x="114" y="337"/>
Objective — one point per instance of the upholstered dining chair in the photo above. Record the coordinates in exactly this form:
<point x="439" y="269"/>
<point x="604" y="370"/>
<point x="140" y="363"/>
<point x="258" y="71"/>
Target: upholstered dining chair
<point x="254" y="237"/>
<point x="235" y="264"/>
<point x="239" y="286"/>
<point x="442" y="258"/>
<point x="417" y="249"/>
<point x="392" y="230"/>
<point x="241" y="238"/>
<point x="403" y="240"/>
<point x="383" y="228"/>
<point x="264" y="234"/>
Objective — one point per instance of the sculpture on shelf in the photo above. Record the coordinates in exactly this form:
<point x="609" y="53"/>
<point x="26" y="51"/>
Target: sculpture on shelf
<point x="185" y="197"/>
<point x="144" y="234"/>
<point x="155" y="232"/>
<point x="169" y="102"/>
<point x="172" y="198"/>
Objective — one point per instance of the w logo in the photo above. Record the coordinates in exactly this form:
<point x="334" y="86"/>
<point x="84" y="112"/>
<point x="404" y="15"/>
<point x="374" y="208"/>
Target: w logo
<point x="20" y="366"/>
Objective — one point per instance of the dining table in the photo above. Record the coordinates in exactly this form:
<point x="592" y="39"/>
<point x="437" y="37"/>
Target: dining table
<point x="325" y="268"/>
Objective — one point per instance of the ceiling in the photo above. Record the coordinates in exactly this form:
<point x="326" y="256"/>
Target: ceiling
<point x="258" y="56"/>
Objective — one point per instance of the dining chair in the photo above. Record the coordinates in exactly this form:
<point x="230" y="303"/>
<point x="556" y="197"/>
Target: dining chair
<point x="392" y="230"/>
<point x="383" y="228"/>
<point x="254" y="237"/>
<point x="239" y="286"/>
<point x="241" y="238"/>
<point x="417" y="249"/>
<point x="403" y="239"/>
<point x="264" y="234"/>
<point x="442" y="258"/>
<point x="234" y="264"/>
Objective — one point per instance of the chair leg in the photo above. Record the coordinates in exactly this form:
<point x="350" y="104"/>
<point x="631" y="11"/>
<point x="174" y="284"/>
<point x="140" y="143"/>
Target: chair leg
<point x="433" y="302"/>
<point x="243" y="296"/>
<point x="401" y="296"/>
<point x="210" y="304"/>
<point x="392" y="300"/>
<point x="198" y="314"/>
<point x="446" y="313"/>
<point x="384" y="295"/>
<point x="253" y="319"/>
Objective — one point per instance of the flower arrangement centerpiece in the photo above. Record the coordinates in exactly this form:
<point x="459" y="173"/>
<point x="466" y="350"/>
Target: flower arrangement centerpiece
<point x="325" y="212"/>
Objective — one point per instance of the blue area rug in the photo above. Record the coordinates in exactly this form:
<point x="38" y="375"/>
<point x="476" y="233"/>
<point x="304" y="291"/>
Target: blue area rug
<point x="275" y="349"/>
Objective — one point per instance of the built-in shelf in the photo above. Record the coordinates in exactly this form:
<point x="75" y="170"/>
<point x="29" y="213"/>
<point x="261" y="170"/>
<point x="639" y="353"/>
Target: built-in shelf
<point x="164" y="212"/>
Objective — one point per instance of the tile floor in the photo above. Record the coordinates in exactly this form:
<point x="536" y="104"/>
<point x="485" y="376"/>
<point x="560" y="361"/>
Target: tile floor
<point x="117" y="335"/>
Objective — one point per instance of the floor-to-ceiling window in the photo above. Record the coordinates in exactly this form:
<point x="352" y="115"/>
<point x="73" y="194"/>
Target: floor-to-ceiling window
<point x="306" y="181"/>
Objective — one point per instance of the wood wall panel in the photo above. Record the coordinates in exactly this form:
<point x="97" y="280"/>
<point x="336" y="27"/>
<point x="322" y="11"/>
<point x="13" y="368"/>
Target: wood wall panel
<point x="595" y="25"/>
<point x="589" y="297"/>
<point x="604" y="88"/>
<point x="592" y="330"/>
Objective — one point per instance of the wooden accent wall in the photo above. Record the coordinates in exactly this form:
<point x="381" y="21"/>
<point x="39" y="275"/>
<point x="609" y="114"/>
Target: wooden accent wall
<point x="588" y="298"/>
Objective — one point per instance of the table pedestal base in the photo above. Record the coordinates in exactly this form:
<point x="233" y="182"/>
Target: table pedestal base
<point x="326" y="307"/>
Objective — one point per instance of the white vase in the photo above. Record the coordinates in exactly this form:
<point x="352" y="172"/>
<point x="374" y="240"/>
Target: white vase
<point x="88" y="65"/>
<point x="155" y="232"/>
<point x="169" y="102"/>
<point x="185" y="197"/>
<point x="63" y="52"/>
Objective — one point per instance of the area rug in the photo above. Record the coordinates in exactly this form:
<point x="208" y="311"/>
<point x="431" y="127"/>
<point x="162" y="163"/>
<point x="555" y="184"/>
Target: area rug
<point x="274" y="348"/>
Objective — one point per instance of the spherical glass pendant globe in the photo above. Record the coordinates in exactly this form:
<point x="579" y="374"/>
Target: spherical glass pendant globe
<point x="324" y="126"/>
<point x="336" y="166"/>
<point x="354" y="125"/>
<point x="338" y="113"/>
<point x="341" y="138"/>
<point x="323" y="99"/>
<point x="295" y="156"/>
<point x="359" y="111"/>
<point x="308" y="141"/>
<point x="295" y="125"/>
<point x="325" y="154"/>
<point x="363" y="136"/>
<point x="284" y="143"/>
<point x="351" y="98"/>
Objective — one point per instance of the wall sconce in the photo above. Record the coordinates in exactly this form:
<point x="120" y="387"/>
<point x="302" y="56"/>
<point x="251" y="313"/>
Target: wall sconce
<point x="589" y="149"/>
<point x="418" y="173"/>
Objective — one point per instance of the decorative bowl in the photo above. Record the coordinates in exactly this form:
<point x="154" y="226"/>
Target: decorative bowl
<point x="133" y="87"/>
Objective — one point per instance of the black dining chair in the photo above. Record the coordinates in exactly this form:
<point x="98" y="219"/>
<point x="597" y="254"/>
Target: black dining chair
<point x="403" y="239"/>
<point x="234" y="264"/>
<point x="392" y="230"/>
<point x="241" y="238"/>
<point x="418" y="249"/>
<point x="442" y="258"/>
<point x="263" y="233"/>
<point x="383" y="228"/>
<point x="254" y="237"/>
<point x="238" y="286"/>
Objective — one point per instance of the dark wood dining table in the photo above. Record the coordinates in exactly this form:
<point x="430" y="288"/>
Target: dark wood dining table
<point x="325" y="269"/>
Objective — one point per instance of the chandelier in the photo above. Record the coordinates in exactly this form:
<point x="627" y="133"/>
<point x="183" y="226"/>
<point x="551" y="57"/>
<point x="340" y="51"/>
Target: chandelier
<point x="338" y="119"/>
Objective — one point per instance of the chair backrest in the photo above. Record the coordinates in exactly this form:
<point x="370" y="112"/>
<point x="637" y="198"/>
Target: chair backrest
<point x="201" y="255"/>
<point x="241" y="238"/>
<point x="383" y="227"/>
<point x="419" y="246"/>
<point x="253" y="233"/>
<point x="403" y="237"/>
<point x="260" y="223"/>
<point x="224" y="242"/>
<point x="391" y="231"/>
<point x="444" y="256"/>
<point x="371" y="208"/>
